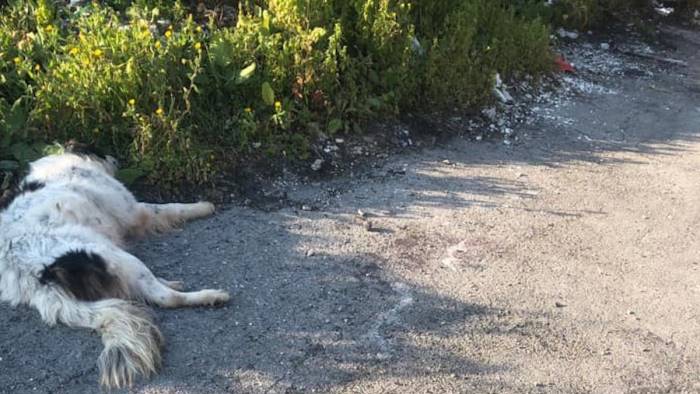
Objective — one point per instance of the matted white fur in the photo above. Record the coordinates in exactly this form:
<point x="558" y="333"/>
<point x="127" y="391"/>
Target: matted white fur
<point x="82" y="207"/>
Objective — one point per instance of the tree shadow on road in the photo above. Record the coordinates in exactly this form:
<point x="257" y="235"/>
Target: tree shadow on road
<point x="297" y="322"/>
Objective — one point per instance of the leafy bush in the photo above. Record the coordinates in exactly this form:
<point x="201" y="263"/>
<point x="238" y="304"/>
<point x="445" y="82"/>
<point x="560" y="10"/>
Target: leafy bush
<point x="174" y="96"/>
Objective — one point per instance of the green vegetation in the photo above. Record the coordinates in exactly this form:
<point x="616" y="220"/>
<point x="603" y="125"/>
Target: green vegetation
<point x="176" y="96"/>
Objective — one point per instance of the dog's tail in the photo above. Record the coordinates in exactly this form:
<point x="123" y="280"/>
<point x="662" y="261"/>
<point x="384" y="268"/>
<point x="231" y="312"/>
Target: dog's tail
<point x="81" y="292"/>
<point x="132" y="341"/>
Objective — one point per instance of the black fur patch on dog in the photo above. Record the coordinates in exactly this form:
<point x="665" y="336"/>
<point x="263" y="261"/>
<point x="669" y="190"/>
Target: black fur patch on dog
<point x="32" y="186"/>
<point x="84" y="275"/>
<point x="25" y="187"/>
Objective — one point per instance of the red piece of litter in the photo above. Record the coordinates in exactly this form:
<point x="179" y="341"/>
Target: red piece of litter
<point x="563" y="65"/>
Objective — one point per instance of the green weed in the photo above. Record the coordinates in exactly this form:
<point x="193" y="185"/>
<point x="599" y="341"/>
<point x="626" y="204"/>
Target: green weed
<point x="176" y="98"/>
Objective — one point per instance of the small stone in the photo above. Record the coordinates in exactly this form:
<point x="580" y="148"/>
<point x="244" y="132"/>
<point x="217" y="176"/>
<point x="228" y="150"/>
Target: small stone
<point x="310" y="253"/>
<point x="383" y="356"/>
<point x="316" y="166"/>
<point x="339" y="141"/>
<point x="361" y="213"/>
<point x="490" y="113"/>
<point x="559" y="304"/>
<point x="306" y="207"/>
<point x="605" y="46"/>
<point x="447" y="162"/>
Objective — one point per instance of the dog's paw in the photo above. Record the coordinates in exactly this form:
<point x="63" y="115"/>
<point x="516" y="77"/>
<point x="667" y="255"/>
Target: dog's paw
<point x="216" y="297"/>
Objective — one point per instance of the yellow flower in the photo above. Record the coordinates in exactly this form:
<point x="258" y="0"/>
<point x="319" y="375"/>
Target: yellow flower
<point x="17" y="60"/>
<point x="157" y="44"/>
<point x="199" y="29"/>
<point x="97" y="53"/>
<point x="248" y="110"/>
<point x="183" y="61"/>
<point x="160" y="111"/>
<point x="37" y="67"/>
<point x="198" y="46"/>
<point x="74" y="51"/>
<point x="132" y="102"/>
<point x="278" y="106"/>
<point x="168" y="34"/>
<point x="49" y="28"/>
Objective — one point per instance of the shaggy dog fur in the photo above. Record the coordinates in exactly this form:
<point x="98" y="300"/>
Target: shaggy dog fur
<point x="61" y="239"/>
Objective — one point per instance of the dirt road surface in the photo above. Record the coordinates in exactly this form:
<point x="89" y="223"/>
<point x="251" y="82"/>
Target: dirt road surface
<point x="566" y="262"/>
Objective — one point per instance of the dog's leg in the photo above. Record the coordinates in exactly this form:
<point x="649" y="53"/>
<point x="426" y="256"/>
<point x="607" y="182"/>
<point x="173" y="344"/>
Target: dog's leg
<point x="155" y="292"/>
<point x="146" y="286"/>
<point x="162" y="217"/>
<point x="173" y="284"/>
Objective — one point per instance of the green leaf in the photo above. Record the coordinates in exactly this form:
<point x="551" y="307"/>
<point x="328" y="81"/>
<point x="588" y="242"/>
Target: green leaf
<point x="268" y="95"/>
<point x="25" y="153"/>
<point x="266" y="19"/>
<point x="9" y="165"/>
<point x="334" y="125"/>
<point x="373" y="77"/>
<point x="16" y="117"/>
<point x="246" y="73"/>
<point x="220" y="52"/>
<point x="53" y="149"/>
<point x="130" y="175"/>
<point x="374" y="103"/>
<point x="7" y="181"/>
<point x="5" y="139"/>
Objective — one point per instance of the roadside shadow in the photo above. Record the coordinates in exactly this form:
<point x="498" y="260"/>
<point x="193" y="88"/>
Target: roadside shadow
<point x="297" y="322"/>
<point x="303" y="322"/>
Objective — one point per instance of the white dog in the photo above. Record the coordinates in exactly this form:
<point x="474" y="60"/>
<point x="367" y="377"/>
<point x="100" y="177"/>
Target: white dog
<point x="61" y="241"/>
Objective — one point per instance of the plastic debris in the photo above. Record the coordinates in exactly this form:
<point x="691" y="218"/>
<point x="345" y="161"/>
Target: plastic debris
<point x="563" y="33"/>
<point x="564" y="66"/>
<point x="664" y="11"/>
<point x="417" y="47"/>
<point x="500" y="91"/>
